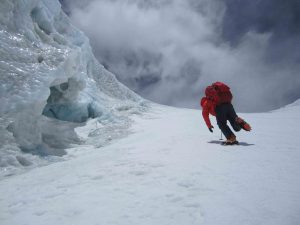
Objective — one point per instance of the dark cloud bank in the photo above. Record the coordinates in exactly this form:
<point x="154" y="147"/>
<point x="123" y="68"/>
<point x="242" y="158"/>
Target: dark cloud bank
<point x="169" y="50"/>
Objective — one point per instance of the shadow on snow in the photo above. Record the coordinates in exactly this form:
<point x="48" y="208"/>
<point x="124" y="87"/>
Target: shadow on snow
<point x="220" y="142"/>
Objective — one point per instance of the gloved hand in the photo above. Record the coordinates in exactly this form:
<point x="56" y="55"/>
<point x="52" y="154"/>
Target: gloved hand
<point x="211" y="129"/>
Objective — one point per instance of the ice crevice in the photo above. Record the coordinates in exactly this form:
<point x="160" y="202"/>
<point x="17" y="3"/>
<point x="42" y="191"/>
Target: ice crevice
<point x="60" y="105"/>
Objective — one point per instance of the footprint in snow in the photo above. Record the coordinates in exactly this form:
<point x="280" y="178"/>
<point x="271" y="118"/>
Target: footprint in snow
<point x="192" y="205"/>
<point x="99" y="177"/>
<point x="40" y="213"/>
<point x="138" y="173"/>
<point x="176" y="199"/>
<point x="185" y="184"/>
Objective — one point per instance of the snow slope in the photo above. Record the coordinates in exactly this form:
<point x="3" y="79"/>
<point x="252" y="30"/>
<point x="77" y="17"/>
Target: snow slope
<point x="169" y="171"/>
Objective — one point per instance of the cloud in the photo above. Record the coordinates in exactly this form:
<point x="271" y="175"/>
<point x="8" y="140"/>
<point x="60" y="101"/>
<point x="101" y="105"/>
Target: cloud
<point x="170" y="50"/>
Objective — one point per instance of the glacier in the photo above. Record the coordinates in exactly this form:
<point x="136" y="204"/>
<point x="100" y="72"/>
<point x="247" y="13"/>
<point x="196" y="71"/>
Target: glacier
<point x="58" y="104"/>
<point x="51" y="84"/>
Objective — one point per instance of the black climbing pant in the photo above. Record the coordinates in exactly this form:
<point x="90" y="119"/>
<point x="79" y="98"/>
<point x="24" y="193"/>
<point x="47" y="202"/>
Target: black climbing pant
<point x="226" y="112"/>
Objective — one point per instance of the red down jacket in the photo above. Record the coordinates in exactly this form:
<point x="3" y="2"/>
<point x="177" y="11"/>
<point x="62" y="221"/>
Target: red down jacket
<point x="216" y="94"/>
<point x="208" y="107"/>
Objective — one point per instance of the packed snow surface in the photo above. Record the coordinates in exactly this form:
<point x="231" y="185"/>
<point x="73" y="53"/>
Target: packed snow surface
<point x="169" y="171"/>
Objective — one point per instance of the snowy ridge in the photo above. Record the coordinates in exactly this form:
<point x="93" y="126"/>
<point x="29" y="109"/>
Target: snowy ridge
<point x="50" y="83"/>
<point x="295" y="106"/>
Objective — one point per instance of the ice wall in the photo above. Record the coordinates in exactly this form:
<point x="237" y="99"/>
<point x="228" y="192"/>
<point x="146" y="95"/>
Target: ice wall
<point x="50" y="82"/>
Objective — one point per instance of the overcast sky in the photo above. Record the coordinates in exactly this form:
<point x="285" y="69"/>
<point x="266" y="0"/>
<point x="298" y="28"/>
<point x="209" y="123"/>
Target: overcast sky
<point x="168" y="51"/>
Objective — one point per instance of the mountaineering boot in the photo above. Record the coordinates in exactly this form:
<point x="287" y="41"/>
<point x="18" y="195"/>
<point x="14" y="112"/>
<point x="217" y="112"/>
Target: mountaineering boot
<point x="231" y="141"/>
<point x="244" y="125"/>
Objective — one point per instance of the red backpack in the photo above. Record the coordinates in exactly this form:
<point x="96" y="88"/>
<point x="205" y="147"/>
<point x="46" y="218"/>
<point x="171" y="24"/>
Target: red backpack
<point x="219" y="93"/>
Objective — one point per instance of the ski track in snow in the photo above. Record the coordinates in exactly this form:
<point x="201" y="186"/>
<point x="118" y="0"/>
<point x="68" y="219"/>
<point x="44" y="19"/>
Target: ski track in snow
<point x="169" y="171"/>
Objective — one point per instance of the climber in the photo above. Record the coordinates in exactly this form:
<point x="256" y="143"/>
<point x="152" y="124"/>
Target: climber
<point x="217" y="102"/>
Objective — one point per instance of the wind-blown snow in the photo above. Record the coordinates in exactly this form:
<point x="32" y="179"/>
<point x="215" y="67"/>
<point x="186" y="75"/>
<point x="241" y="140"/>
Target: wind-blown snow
<point x="50" y="83"/>
<point x="170" y="171"/>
